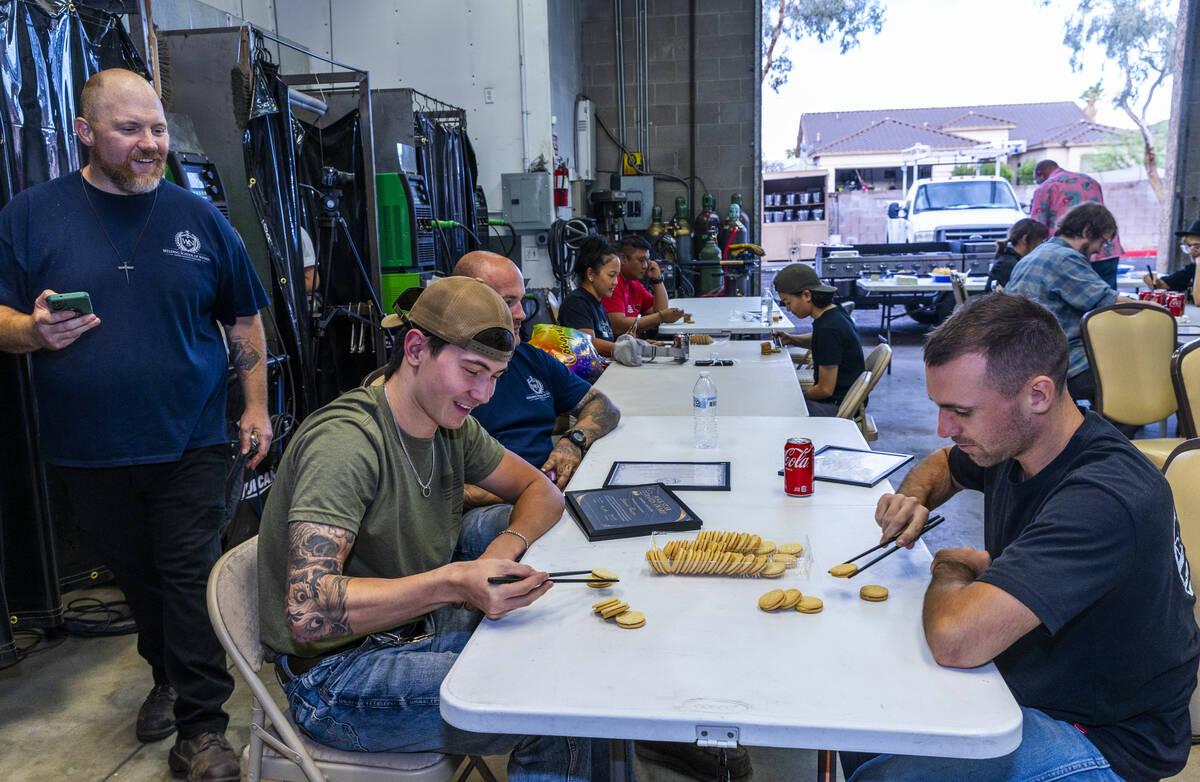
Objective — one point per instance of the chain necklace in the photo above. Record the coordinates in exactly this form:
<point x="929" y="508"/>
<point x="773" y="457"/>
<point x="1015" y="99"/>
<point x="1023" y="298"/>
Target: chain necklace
<point x="424" y="484"/>
<point x="125" y="266"/>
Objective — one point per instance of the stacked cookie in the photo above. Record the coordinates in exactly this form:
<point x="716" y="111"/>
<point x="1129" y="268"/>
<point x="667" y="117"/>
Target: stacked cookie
<point x="723" y="553"/>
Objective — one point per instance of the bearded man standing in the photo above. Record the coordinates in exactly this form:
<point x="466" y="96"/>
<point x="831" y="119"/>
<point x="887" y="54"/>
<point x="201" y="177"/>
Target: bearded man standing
<point x="131" y="399"/>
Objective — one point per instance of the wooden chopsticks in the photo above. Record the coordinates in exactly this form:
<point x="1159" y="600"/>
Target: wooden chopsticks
<point x="930" y="524"/>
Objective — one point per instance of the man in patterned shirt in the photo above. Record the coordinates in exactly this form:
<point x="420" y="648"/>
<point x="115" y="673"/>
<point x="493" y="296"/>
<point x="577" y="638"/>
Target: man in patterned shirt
<point x="1057" y="274"/>
<point x="1058" y="192"/>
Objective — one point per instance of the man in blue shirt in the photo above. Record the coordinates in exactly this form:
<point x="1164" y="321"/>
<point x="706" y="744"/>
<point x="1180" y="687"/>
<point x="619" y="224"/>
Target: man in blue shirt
<point x="131" y="399"/>
<point x="1058" y="275"/>
<point x="534" y="391"/>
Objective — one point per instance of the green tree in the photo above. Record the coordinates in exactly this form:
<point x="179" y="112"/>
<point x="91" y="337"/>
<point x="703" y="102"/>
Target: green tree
<point x="1126" y="149"/>
<point x="791" y="20"/>
<point x="1138" y="38"/>
<point x="1025" y="172"/>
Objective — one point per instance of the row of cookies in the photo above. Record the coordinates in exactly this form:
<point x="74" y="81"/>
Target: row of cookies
<point x="703" y="563"/>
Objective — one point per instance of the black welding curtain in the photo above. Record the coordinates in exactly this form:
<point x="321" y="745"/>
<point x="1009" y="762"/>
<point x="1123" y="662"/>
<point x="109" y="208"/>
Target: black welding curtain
<point x="284" y="157"/>
<point x="45" y="60"/>
<point x="447" y="161"/>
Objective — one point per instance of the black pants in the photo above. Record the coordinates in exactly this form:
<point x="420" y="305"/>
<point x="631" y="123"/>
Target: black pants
<point x="156" y="526"/>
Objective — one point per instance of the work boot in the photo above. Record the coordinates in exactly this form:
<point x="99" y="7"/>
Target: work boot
<point x="699" y="763"/>
<point x="156" y="718"/>
<point x="205" y="758"/>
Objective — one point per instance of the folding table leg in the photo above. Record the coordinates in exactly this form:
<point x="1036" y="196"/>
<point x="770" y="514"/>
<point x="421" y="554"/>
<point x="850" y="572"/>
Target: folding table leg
<point x="826" y="765"/>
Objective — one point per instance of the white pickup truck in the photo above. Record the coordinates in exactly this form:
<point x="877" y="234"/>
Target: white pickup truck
<point x="969" y="208"/>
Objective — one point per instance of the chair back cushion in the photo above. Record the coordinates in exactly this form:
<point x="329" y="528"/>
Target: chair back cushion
<point x="1183" y="473"/>
<point x="233" y="590"/>
<point x="855" y="396"/>
<point x="1129" y="347"/>
<point x="1185" y="375"/>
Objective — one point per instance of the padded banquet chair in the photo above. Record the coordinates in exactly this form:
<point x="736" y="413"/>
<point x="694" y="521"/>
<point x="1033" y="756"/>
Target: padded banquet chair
<point x="1185" y="377"/>
<point x="1183" y="473"/>
<point x="277" y="749"/>
<point x="1129" y="346"/>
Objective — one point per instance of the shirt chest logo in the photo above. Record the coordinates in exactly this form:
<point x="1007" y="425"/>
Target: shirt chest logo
<point x="188" y="247"/>
<point x="537" y="387"/>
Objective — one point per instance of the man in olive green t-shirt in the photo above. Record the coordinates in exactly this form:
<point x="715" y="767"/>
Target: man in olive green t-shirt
<point x="369" y="584"/>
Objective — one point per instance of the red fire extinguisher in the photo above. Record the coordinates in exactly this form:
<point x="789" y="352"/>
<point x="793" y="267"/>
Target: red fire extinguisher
<point x="560" y="184"/>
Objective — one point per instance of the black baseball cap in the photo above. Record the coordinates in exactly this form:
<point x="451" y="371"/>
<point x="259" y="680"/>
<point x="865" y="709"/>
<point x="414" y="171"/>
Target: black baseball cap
<point x="800" y="277"/>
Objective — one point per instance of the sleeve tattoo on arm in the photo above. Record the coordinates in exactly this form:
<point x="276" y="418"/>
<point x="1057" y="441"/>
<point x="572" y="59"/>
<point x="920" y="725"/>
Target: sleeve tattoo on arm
<point x="243" y="354"/>
<point x="596" y="414"/>
<point x="316" y="603"/>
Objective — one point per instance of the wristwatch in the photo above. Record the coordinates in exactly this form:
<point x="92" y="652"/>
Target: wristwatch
<point x="655" y="280"/>
<point x="578" y="438"/>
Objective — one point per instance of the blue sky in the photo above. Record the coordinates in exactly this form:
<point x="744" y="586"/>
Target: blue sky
<point x="941" y="53"/>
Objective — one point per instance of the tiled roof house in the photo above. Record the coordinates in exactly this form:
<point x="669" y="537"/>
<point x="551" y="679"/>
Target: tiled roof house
<point x="868" y="144"/>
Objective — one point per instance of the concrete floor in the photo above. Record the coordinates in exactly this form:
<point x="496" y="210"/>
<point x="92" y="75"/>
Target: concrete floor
<point x="67" y="712"/>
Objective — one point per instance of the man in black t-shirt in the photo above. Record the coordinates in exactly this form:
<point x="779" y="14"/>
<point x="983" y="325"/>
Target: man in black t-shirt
<point x="837" y="353"/>
<point x="1082" y="596"/>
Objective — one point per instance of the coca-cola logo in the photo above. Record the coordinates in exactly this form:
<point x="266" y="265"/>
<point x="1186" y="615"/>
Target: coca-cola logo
<point x="796" y="457"/>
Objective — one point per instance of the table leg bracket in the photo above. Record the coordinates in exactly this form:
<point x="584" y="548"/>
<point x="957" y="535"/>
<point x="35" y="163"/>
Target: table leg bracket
<point x="719" y="736"/>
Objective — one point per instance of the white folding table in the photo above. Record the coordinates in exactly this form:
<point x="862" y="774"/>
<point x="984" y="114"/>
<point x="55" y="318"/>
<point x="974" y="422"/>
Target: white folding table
<point x="725" y="315"/>
<point x="754" y="385"/>
<point x="888" y="289"/>
<point x="708" y="663"/>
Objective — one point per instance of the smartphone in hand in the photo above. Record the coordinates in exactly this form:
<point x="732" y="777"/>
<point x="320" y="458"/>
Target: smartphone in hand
<point x="79" y="302"/>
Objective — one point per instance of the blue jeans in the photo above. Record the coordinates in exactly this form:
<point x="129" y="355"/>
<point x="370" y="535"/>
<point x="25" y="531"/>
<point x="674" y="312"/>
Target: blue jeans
<point x="384" y="695"/>
<point x="1050" y="750"/>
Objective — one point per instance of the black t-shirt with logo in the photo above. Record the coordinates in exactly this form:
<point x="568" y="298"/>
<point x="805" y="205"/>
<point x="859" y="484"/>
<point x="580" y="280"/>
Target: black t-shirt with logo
<point x="835" y="343"/>
<point x="582" y="310"/>
<point x="1091" y="546"/>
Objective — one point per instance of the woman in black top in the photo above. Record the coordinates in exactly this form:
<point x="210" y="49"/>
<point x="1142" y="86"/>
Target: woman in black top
<point x="596" y="269"/>
<point x="1024" y="235"/>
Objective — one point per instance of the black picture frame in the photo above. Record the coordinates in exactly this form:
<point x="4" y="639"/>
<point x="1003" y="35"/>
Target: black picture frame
<point x="896" y="461"/>
<point x="615" y="512"/>
<point x="723" y="486"/>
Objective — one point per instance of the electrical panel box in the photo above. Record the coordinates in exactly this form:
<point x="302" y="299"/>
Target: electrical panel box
<point x="639" y="200"/>
<point x="527" y="200"/>
<point x="585" y="139"/>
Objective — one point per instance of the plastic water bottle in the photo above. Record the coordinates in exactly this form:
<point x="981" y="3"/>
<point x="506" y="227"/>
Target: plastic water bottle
<point x="704" y="411"/>
<point x="765" y="306"/>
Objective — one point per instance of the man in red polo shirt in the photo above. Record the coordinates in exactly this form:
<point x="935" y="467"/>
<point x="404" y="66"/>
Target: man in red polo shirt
<point x="630" y="302"/>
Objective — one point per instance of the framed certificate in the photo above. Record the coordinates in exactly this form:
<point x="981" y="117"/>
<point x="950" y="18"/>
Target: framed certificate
<point x="629" y="511"/>
<point x="857" y="467"/>
<point x="680" y="476"/>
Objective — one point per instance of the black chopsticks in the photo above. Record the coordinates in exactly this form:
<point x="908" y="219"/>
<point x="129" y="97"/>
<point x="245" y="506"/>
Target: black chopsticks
<point x="930" y="524"/>
<point x="555" y="579"/>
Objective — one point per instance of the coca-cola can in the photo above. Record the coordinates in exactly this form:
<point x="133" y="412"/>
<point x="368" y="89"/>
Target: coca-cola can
<point x="1176" y="302"/>
<point x="1156" y="296"/>
<point x="798" y="467"/>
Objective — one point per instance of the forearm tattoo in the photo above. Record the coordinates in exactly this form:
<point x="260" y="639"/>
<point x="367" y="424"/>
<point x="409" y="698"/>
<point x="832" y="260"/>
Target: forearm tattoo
<point x="316" y="602"/>
<point x="243" y="354"/>
<point x="596" y="415"/>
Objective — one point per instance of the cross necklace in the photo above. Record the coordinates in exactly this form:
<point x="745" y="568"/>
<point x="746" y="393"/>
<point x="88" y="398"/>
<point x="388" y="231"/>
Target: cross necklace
<point x="125" y="265"/>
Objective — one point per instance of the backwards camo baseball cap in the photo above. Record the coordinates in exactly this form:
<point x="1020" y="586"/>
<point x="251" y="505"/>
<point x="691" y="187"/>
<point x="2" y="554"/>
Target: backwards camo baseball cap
<point x="459" y="310"/>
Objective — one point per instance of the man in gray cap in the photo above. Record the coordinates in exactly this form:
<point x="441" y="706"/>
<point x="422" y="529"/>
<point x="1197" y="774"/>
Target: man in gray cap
<point x="369" y="581"/>
<point x="1182" y="279"/>
<point x="837" y="353"/>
